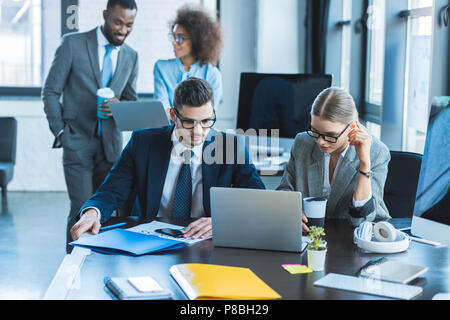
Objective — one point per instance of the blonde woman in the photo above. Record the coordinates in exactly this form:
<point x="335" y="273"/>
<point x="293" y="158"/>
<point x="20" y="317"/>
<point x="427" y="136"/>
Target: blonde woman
<point x="338" y="159"/>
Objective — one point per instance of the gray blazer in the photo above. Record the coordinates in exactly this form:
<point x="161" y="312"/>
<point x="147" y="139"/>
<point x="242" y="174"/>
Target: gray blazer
<point x="75" y="74"/>
<point x="305" y="172"/>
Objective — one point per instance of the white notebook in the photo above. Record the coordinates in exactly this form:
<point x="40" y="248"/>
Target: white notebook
<point x="136" y="288"/>
<point x="369" y="286"/>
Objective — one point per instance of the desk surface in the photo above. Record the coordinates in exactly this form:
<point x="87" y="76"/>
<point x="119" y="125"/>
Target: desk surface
<point x="343" y="257"/>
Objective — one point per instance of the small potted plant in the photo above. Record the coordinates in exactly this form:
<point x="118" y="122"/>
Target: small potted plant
<point x="317" y="248"/>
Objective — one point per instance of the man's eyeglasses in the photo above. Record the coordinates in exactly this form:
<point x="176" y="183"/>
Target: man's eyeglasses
<point x="316" y="135"/>
<point x="178" y="38"/>
<point x="191" y="124"/>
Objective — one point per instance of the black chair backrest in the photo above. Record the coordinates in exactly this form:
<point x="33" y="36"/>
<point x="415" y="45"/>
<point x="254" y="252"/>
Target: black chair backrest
<point x="401" y="183"/>
<point x="8" y="139"/>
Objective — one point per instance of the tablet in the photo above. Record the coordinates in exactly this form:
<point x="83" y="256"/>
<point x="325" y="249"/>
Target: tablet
<point x="135" y="115"/>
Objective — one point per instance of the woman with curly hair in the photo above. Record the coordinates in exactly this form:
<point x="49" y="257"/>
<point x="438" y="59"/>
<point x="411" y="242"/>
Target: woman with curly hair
<point x="197" y="41"/>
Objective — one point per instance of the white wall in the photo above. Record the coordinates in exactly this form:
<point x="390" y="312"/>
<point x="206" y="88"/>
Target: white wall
<point x="51" y="32"/>
<point x="38" y="166"/>
<point x="279" y="36"/>
<point x="238" y="54"/>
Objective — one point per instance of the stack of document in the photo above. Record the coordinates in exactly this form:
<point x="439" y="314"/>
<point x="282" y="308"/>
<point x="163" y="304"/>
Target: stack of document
<point x="134" y="241"/>
<point x="119" y="241"/>
<point x="150" y="229"/>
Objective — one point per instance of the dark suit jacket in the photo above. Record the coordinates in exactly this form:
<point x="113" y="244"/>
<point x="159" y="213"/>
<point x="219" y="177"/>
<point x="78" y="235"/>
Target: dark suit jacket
<point x="75" y="75"/>
<point x="144" y="162"/>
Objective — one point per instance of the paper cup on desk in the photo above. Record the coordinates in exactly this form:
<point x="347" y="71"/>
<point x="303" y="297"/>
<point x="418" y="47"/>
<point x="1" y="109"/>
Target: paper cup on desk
<point x="102" y="95"/>
<point x="315" y="210"/>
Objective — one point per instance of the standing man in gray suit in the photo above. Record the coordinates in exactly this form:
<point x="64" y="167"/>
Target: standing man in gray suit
<point x="84" y="63"/>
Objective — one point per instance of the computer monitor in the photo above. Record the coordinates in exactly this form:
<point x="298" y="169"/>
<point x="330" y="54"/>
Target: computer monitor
<point x="278" y="101"/>
<point x="431" y="219"/>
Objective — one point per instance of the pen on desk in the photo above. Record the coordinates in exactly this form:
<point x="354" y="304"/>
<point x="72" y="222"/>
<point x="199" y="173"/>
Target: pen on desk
<point x="113" y="226"/>
<point x="371" y="263"/>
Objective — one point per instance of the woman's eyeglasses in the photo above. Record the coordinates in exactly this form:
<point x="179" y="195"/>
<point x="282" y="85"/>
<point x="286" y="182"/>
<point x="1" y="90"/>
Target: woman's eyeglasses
<point x="191" y="124"/>
<point x="178" y="38"/>
<point x="316" y="135"/>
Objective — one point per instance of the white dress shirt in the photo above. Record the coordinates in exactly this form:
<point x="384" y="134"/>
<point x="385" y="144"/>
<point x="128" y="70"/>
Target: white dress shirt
<point x="173" y="171"/>
<point x="326" y="177"/>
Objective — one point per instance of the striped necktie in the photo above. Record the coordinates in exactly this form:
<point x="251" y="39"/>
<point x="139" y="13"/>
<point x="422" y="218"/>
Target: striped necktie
<point x="182" y="201"/>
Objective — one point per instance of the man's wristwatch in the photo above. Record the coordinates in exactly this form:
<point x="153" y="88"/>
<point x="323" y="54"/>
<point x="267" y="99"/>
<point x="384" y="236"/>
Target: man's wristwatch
<point x="367" y="174"/>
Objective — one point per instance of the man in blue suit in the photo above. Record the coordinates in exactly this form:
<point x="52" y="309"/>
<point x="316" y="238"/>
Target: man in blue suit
<point x="173" y="168"/>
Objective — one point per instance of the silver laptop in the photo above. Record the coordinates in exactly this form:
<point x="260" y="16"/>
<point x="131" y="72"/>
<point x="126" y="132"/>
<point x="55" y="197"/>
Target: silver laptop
<point x="257" y="219"/>
<point x="135" y="115"/>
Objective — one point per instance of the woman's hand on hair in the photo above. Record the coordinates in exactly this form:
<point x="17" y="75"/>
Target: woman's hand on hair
<point x="362" y="141"/>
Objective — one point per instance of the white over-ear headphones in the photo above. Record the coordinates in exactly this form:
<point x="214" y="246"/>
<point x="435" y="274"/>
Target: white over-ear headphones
<point x="380" y="237"/>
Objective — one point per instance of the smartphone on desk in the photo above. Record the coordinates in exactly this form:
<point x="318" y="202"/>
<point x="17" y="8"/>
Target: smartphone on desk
<point x="170" y="232"/>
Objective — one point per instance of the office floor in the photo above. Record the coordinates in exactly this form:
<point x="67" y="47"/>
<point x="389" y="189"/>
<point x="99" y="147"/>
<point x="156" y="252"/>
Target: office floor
<point x="32" y="242"/>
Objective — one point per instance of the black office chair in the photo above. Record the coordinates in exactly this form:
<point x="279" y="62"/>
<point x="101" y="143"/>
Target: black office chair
<point x="8" y="142"/>
<point x="401" y="183"/>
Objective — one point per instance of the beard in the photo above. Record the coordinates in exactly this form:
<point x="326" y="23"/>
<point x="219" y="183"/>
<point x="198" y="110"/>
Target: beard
<point x="109" y="35"/>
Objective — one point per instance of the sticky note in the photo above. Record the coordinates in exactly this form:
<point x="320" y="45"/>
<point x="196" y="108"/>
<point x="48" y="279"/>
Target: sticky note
<point x="296" y="268"/>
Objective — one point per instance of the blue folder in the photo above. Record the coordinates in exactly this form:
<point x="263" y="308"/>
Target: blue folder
<point x="119" y="241"/>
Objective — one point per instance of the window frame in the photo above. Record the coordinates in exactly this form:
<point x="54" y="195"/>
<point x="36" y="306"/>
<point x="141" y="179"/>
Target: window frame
<point x="357" y="40"/>
<point x="372" y="110"/>
<point x="25" y="91"/>
<point x="392" y="113"/>
<point x="408" y="15"/>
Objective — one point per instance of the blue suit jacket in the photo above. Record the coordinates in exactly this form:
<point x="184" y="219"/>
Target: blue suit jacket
<point x="142" y="168"/>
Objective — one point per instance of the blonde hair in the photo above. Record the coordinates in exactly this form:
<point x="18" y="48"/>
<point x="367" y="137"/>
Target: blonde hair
<point x="336" y="105"/>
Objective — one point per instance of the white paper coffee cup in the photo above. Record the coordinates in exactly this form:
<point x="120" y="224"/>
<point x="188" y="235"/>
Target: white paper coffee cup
<point x="102" y="95"/>
<point x="315" y="209"/>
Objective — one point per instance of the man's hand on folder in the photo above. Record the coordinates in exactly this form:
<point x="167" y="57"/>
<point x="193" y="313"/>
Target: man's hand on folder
<point x="88" y="222"/>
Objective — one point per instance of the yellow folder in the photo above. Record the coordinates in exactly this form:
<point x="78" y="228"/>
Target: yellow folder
<point x="214" y="282"/>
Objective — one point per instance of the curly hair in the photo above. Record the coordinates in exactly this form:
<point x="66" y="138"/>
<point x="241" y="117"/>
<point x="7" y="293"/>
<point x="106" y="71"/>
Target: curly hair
<point x="205" y="33"/>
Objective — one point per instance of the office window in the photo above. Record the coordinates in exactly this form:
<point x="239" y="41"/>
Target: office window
<point x="417" y="4"/>
<point x="376" y="40"/>
<point x="20" y="35"/>
<point x="376" y="29"/>
<point x="346" y="45"/>
<point x="150" y="34"/>
<point x="417" y="85"/>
